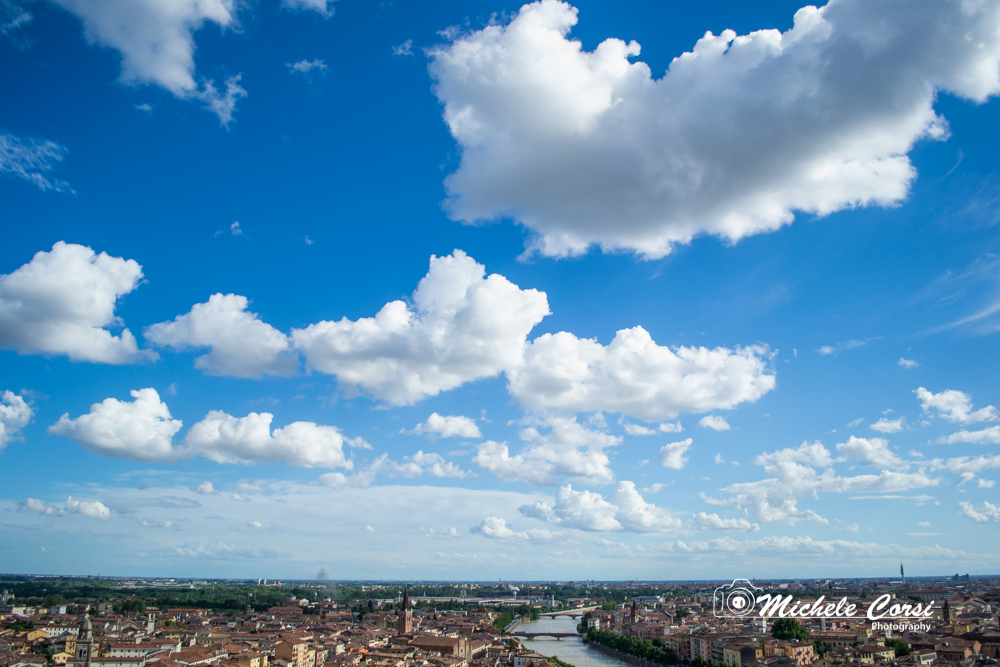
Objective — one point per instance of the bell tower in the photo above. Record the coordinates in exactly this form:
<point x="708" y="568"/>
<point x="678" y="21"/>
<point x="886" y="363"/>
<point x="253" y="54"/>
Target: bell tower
<point x="404" y="625"/>
<point x="84" y="644"/>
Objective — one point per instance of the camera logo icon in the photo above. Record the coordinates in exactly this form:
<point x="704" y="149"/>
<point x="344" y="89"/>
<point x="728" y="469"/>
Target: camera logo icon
<point x="735" y="600"/>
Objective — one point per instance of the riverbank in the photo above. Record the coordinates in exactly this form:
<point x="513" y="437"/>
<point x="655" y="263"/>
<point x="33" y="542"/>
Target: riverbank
<point x="625" y="657"/>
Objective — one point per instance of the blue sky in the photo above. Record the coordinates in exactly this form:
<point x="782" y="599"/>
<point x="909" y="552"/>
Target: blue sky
<point x="480" y="290"/>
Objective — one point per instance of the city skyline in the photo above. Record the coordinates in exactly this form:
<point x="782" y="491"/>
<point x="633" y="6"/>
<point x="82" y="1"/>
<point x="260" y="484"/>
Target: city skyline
<point x="495" y="289"/>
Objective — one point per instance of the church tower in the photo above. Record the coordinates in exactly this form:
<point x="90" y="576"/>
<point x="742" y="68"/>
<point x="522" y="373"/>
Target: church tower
<point x="633" y="611"/>
<point x="946" y="612"/>
<point x="84" y="644"/>
<point x="404" y="625"/>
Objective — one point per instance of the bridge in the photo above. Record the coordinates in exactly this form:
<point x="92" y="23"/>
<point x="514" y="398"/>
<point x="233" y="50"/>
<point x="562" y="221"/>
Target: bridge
<point x="554" y="635"/>
<point x="572" y="613"/>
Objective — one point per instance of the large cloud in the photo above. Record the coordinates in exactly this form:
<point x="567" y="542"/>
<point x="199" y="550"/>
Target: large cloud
<point x="15" y="413"/>
<point x="91" y="508"/>
<point x="636" y="376"/>
<point x="463" y="325"/>
<point x="955" y="406"/>
<point x="587" y="148"/>
<point x="568" y="450"/>
<point x="156" y="41"/>
<point x="143" y="430"/>
<point x="241" y="345"/>
<point x="63" y="301"/>
<point x="587" y="510"/>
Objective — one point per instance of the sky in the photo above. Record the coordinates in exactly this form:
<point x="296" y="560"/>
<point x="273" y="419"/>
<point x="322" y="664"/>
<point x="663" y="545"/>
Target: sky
<point x="478" y="290"/>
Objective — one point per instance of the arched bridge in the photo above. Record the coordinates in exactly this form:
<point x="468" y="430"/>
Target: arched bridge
<point x="554" y="635"/>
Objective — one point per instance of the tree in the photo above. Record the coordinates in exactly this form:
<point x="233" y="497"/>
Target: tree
<point x="902" y="648"/>
<point x="788" y="628"/>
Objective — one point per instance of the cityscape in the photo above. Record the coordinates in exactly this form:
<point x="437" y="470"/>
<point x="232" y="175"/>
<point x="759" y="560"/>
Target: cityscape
<point x="114" y="622"/>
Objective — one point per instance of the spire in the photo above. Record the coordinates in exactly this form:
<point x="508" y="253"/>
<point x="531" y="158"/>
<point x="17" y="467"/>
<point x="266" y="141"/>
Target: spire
<point x="406" y="598"/>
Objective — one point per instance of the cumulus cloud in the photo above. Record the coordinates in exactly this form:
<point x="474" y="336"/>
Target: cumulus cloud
<point x="907" y="363"/>
<point x="635" y="376"/>
<point x="205" y="489"/>
<point x="739" y="134"/>
<point x="63" y="302"/>
<point x="223" y="438"/>
<point x="463" y="325"/>
<point x="415" y="465"/>
<point x="90" y="508"/>
<point x="404" y="49"/>
<point x="31" y="160"/>
<point x="715" y="522"/>
<point x="156" y="41"/>
<point x="448" y="426"/>
<point x="567" y="450"/>
<point x="788" y="480"/>
<point x="143" y="430"/>
<point x="590" y="511"/>
<point x="989" y="435"/>
<point x="870" y="452"/>
<point x="15" y="413"/>
<point x="496" y="528"/>
<point x="665" y="427"/>
<point x="306" y="66"/>
<point x="955" y="406"/>
<point x="672" y="455"/>
<point x="241" y="344"/>
<point x="988" y="513"/>
<point x="885" y="425"/>
<point x="714" y="422"/>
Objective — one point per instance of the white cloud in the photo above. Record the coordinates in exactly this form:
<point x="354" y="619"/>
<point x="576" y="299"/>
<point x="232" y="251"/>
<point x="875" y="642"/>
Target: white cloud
<point x="223" y="438"/>
<point x="714" y="422"/>
<point x="257" y="525"/>
<point x="496" y="528"/>
<point x="776" y="498"/>
<point x="672" y="455"/>
<point x="156" y="41"/>
<point x="369" y="529"/>
<point x="31" y="160"/>
<point x="908" y="363"/>
<point x="664" y="427"/>
<point x="590" y="511"/>
<point x="718" y="459"/>
<point x="885" y="425"/>
<point x="90" y="508"/>
<point x="306" y="66"/>
<point x="988" y="513"/>
<point x="839" y="347"/>
<point x="415" y="465"/>
<point x="63" y="302"/>
<point x="241" y="344"/>
<point x="955" y="406"/>
<point x="989" y="435"/>
<point x="404" y="49"/>
<point x="205" y="489"/>
<point x="715" y="522"/>
<point x="463" y="326"/>
<point x="636" y="376"/>
<point x="965" y="464"/>
<point x="870" y="452"/>
<point x="987" y="483"/>
<point x="324" y="7"/>
<point x="568" y="450"/>
<point x="15" y="413"/>
<point x="587" y="148"/>
<point x="141" y="430"/>
<point x="811" y="454"/>
<point x="449" y="426"/>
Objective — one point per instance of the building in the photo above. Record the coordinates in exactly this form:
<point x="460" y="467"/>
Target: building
<point x="404" y="624"/>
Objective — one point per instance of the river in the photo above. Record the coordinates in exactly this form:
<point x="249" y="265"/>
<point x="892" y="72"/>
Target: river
<point x="568" y="649"/>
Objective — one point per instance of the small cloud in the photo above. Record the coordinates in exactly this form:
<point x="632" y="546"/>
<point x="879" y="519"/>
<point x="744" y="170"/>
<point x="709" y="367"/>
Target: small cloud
<point x="718" y="459"/>
<point x="235" y="230"/>
<point x="148" y="108"/>
<point x="307" y="66"/>
<point x="908" y="363"/>
<point x="308" y="240"/>
<point x="714" y="422"/>
<point x="240" y="498"/>
<point x="404" y="49"/>
<point x="369" y="529"/>
<point x="840" y="347"/>
<point x="924" y="524"/>
<point x="205" y="489"/>
<point x="852" y="528"/>
<point x="257" y="525"/>
<point x="672" y="455"/>
<point x="172" y="389"/>
<point x="987" y="483"/>
<point x="855" y="422"/>
<point x="884" y="425"/>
